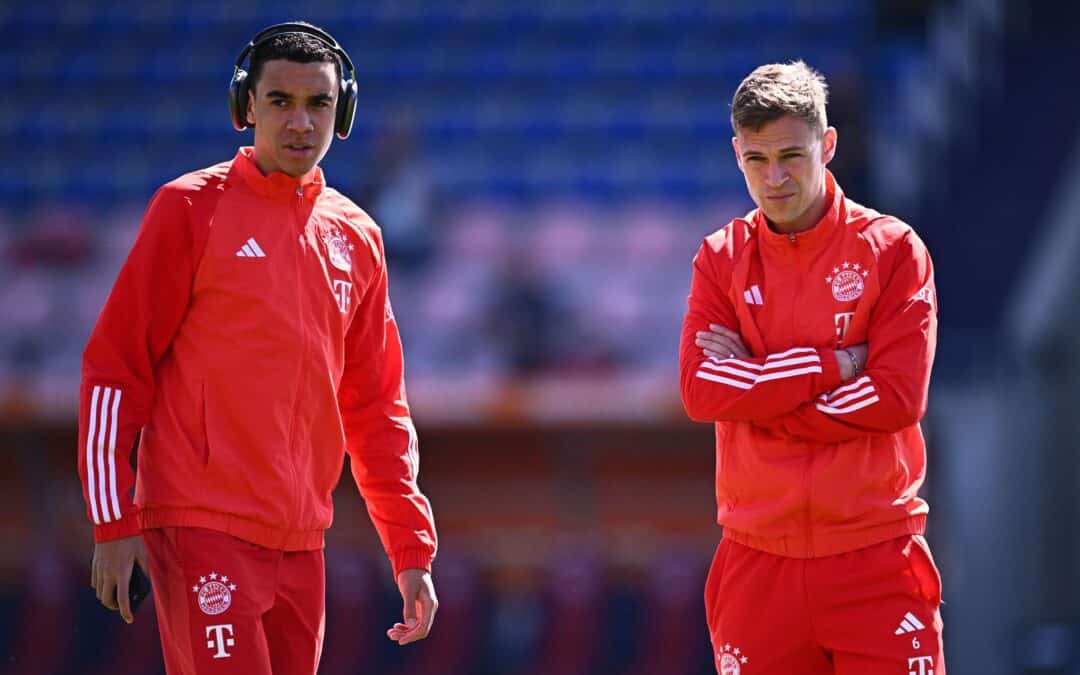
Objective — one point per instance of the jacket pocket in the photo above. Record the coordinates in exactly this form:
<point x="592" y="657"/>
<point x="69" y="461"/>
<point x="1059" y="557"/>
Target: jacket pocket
<point x="924" y="569"/>
<point x="725" y="467"/>
<point x="901" y="476"/>
<point x="712" y="585"/>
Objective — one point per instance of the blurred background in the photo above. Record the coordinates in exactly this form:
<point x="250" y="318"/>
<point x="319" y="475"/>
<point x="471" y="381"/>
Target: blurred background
<point x="544" y="172"/>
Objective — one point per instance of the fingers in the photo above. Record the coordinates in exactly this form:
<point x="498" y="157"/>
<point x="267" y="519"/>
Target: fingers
<point x="711" y="342"/>
<point x="426" y="616"/>
<point x="399" y="632"/>
<point x="418" y="612"/>
<point x="106" y="591"/>
<point x="409" y="590"/>
<point x="122" y="595"/>
<point x="726" y="332"/>
<point x="428" y="606"/>
<point x="140" y="557"/>
<point x="721" y="343"/>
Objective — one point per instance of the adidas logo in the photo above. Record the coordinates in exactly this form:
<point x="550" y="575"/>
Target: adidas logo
<point x="753" y="296"/>
<point x="250" y="250"/>
<point x="909" y="624"/>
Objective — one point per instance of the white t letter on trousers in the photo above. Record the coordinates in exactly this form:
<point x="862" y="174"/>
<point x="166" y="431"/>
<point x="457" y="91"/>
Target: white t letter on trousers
<point x="220" y="642"/>
<point x="923" y="661"/>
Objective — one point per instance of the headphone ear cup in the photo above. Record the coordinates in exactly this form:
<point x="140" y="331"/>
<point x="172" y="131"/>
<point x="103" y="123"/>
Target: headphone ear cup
<point x="346" y="110"/>
<point x="238" y="99"/>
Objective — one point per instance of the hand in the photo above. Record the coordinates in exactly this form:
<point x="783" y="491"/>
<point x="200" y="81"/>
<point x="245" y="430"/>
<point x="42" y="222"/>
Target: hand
<point x="721" y="343"/>
<point x="420" y="604"/>
<point x="110" y="573"/>
<point x="847" y="371"/>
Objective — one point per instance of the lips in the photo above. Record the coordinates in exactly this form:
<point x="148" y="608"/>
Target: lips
<point x="299" y="150"/>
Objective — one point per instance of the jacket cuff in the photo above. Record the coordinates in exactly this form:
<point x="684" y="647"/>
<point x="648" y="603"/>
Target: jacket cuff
<point x="128" y="526"/>
<point x="830" y="370"/>
<point x="411" y="559"/>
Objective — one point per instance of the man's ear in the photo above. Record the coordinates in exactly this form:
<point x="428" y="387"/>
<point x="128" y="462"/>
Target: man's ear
<point x="738" y="155"/>
<point x="828" y="145"/>
<point x="250" y="114"/>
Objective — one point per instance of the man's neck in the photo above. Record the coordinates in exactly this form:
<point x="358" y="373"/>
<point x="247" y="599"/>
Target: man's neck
<point x="809" y="218"/>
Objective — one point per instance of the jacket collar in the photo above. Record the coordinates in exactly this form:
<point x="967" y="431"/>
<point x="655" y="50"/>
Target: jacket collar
<point x="817" y="235"/>
<point x="275" y="185"/>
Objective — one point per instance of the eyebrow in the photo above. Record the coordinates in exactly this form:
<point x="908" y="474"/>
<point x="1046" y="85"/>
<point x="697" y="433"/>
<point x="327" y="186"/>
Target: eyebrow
<point x="790" y="148"/>
<point x="276" y="93"/>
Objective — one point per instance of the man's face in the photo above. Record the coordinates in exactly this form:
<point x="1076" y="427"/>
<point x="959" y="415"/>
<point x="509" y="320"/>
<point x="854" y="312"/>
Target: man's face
<point x="784" y="166"/>
<point x="293" y="108"/>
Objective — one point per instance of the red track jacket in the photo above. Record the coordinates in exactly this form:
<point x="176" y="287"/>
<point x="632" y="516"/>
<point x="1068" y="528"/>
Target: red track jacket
<point x="807" y="465"/>
<point x="249" y="337"/>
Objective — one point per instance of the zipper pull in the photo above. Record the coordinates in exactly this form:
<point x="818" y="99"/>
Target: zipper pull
<point x="792" y="237"/>
<point x="299" y="195"/>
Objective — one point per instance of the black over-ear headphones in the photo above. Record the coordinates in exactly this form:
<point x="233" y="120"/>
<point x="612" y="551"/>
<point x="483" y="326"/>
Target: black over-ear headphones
<point x="346" y="103"/>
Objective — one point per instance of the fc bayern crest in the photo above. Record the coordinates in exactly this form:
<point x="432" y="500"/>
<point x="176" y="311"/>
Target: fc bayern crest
<point x="847" y="281"/>
<point x="732" y="660"/>
<point x="214" y="593"/>
<point x="337" y="248"/>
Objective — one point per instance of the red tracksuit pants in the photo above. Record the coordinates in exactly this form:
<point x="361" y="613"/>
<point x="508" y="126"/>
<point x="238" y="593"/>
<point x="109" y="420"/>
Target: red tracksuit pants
<point x="874" y="611"/>
<point x="225" y="605"/>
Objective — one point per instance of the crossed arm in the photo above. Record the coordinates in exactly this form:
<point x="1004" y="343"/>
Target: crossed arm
<point x="809" y="393"/>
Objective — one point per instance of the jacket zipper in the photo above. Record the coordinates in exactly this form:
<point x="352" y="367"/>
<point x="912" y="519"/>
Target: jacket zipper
<point x="293" y="449"/>
<point x="809" y="455"/>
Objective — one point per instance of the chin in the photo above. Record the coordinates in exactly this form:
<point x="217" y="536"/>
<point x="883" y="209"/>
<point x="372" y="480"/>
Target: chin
<point x="296" y="170"/>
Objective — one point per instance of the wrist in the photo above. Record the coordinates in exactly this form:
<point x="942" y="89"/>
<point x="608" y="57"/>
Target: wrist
<point x="854" y="363"/>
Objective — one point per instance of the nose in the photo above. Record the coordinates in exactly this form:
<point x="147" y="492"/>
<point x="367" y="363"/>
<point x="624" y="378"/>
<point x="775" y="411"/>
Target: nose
<point x="775" y="175"/>
<point x="299" y="120"/>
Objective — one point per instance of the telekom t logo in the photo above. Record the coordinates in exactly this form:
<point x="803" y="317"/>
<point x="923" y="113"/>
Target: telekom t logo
<point x="220" y="642"/>
<point x="843" y="322"/>
<point x="342" y="291"/>
<point x="923" y="662"/>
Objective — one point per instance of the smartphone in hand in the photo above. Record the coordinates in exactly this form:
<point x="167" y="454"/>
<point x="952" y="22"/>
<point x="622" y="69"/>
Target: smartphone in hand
<point x="139" y="588"/>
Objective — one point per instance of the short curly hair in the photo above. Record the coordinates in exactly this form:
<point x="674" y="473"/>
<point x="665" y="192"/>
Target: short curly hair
<point x="298" y="47"/>
<point x="778" y="89"/>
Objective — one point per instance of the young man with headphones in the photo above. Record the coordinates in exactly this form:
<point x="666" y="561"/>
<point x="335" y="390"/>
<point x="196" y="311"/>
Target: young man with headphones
<point x="247" y="345"/>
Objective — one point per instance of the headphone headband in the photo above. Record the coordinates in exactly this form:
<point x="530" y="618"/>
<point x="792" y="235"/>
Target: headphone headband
<point x="270" y="33"/>
<point x="347" y="93"/>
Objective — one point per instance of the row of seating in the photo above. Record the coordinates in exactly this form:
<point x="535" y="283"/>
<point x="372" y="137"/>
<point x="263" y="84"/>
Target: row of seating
<point x="208" y="13"/>
<point x="506" y="97"/>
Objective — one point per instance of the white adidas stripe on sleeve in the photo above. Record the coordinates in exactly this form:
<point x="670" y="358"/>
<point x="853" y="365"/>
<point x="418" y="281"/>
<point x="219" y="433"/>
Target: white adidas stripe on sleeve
<point x="112" y="455"/>
<point x="795" y="361"/>
<point x="91" y="486"/>
<point x="738" y="384"/>
<point x="791" y="352"/>
<point x="848" y="387"/>
<point x="101" y="471"/>
<point x="848" y="398"/>
<point x="783" y="374"/>
<point x="103" y="424"/>
<point x="832" y="410"/>
<point x="779" y="366"/>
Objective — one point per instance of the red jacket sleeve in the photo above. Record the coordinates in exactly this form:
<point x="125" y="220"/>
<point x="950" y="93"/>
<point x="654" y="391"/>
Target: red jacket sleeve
<point x="734" y="389"/>
<point x="379" y="431"/>
<point x="133" y="331"/>
<point x="891" y="394"/>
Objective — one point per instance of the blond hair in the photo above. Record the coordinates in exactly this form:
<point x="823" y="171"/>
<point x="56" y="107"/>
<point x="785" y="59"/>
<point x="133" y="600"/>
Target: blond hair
<point x="778" y="89"/>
